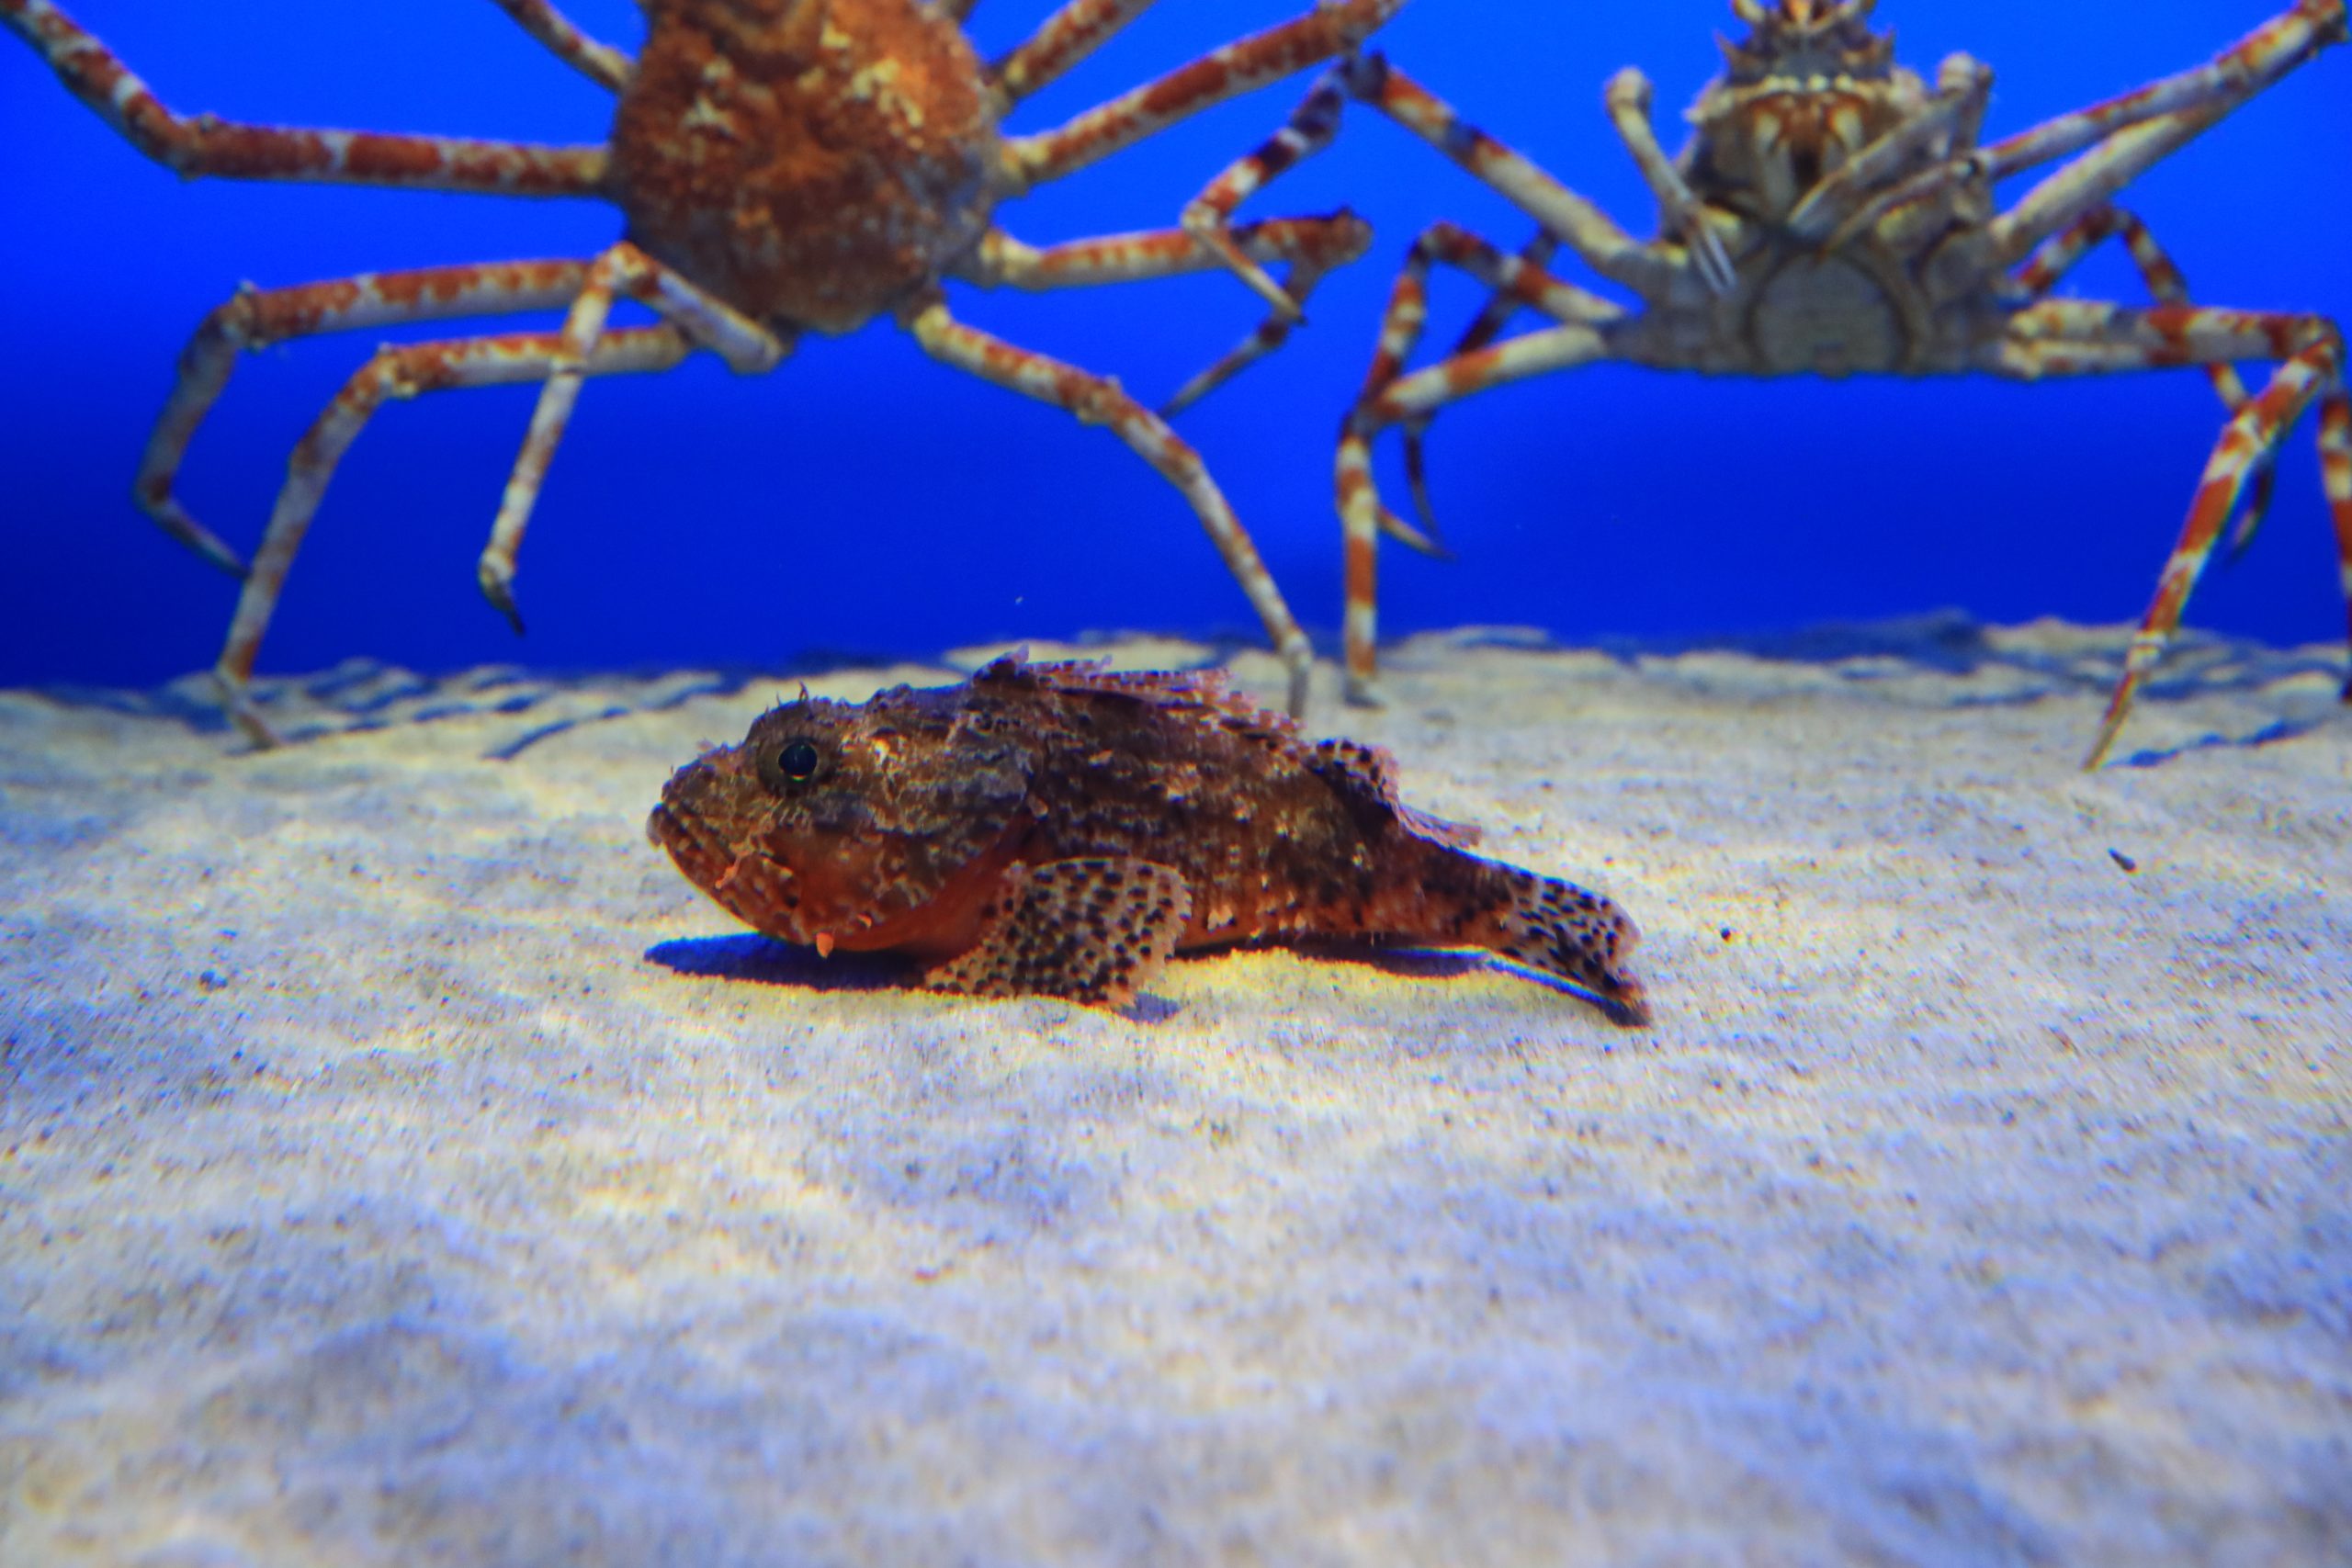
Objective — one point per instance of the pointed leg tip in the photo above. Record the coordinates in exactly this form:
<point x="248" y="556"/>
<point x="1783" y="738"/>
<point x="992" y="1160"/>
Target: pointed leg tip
<point x="1296" y="703"/>
<point x="500" y="591"/>
<point x="237" y="702"/>
<point x="228" y="560"/>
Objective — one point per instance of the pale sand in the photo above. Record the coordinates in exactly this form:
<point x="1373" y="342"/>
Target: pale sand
<point x="401" y="1163"/>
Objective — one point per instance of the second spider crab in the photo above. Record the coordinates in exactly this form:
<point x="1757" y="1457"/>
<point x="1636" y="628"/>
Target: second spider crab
<point x="783" y="166"/>
<point x="1833" y="214"/>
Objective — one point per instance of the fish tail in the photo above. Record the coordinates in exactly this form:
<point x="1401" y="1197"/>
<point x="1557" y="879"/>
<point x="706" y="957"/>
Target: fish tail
<point x="1566" y="932"/>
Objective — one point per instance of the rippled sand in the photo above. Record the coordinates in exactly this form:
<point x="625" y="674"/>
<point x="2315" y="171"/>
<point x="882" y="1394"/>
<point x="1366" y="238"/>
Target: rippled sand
<point x="400" y="1163"/>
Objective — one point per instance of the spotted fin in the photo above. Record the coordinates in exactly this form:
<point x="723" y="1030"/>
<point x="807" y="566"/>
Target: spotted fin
<point x="1579" y="936"/>
<point x="1369" y="771"/>
<point x="1090" y="929"/>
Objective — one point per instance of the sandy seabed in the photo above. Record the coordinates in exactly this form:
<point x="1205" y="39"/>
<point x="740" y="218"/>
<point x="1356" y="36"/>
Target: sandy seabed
<point x="400" y="1163"/>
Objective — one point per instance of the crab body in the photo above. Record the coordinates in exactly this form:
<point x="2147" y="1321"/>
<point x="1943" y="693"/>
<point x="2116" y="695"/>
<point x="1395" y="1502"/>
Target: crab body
<point x="813" y="162"/>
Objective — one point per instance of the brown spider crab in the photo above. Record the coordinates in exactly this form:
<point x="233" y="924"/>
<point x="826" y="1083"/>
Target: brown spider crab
<point x="1833" y="214"/>
<point x="783" y="166"/>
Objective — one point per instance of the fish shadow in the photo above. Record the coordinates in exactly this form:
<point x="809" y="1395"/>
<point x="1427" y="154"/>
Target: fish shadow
<point x="1406" y="963"/>
<point x="763" y="961"/>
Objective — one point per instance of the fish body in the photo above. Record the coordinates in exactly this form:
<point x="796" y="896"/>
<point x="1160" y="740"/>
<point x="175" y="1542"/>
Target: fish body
<point x="1062" y="830"/>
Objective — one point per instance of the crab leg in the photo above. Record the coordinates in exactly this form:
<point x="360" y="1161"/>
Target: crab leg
<point x="1334" y="26"/>
<point x="1000" y="260"/>
<point x="2063" y="251"/>
<point x="2078" y="337"/>
<point x="1627" y="99"/>
<point x="2315" y="375"/>
<point x="601" y="63"/>
<point x="2237" y="73"/>
<point x="256" y="318"/>
<point x="1484" y="328"/>
<point x="1584" y="228"/>
<point x="1312" y="246"/>
<point x="399" y="371"/>
<point x="204" y="145"/>
<point x="1390" y="398"/>
<point x="2253" y="63"/>
<point x="623" y="270"/>
<point x="1209" y="215"/>
<point x="1097" y="400"/>
<point x="1069" y="35"/>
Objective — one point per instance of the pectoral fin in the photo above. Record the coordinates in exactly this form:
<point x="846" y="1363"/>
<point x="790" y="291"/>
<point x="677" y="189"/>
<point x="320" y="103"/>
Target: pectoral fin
<point x="1090" y="929"/>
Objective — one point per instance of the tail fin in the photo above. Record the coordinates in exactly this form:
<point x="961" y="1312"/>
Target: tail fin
<point x="1579" y="936"/>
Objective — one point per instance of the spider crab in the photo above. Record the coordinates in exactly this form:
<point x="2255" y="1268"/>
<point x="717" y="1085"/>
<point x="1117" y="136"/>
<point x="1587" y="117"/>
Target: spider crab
<point x="783" y="166"/>
<point x="1833" y="214"/>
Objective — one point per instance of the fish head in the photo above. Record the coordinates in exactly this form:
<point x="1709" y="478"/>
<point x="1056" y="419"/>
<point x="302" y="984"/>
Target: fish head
<point x="841" y="824"/>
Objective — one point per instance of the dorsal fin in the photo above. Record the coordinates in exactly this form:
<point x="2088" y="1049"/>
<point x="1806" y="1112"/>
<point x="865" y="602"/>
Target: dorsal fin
<point x="1203" y="692"/>
<point x="1365" y="773"/>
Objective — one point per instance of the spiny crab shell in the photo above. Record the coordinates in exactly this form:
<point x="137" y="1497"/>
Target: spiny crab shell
<point x="812" y="161"/>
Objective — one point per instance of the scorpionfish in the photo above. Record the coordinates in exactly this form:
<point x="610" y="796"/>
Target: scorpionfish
<point x="1062" y="830"/>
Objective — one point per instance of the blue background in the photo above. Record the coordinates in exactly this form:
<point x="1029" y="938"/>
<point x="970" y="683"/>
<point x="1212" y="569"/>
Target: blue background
<point x="864" y="499"/>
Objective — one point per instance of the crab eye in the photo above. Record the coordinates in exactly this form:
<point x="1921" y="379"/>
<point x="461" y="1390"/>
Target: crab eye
<point x="793" y="762"/>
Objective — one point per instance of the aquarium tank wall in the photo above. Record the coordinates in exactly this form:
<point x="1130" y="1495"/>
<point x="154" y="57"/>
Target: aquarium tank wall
<point x="862" y="499"/>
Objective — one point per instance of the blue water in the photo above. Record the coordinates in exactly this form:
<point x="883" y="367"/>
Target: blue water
<point x="864" y="499"/>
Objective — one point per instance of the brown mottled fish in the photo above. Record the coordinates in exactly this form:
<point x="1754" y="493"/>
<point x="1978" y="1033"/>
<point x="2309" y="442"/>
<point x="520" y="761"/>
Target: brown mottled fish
<point x="1062" y="829"/>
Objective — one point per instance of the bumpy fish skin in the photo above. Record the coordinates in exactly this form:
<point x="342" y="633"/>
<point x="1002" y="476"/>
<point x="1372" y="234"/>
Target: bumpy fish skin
<point x="1062" y="829"/>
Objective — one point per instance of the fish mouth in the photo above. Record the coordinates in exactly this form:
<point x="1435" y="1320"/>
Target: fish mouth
<point x="694" y="849"/>
<point x="754" y="888"/>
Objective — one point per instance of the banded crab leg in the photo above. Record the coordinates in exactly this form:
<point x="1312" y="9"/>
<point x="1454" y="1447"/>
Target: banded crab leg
<point x="403" y="370"/>
<point x="256" y="318"/>
<point x="2140" y="127"/>
<point x="1097" y="400"/>
<point x="2073" y="337"/>
<point x="1333" y="28"/>
<point x="200" y="145"/>
<point x="1390" y="396"/>
<point x="2063" y="251"/>
<point x="2253" y="63"/>
<point x="1209" y="215"/>
<point x="1484" y="328"/>
<point x="706" y="320"/>
<point x="2237" y="73"/>
<point x="1312" y="247"/>
<point x="1627" y="99"/>
<point x="1650" y="270"/>
<point x="601" y="63"/>
<point x="1069" y="36"/>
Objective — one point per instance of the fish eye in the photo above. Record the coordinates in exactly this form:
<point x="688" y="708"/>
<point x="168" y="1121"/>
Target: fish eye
<point x="793" y="762"/>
